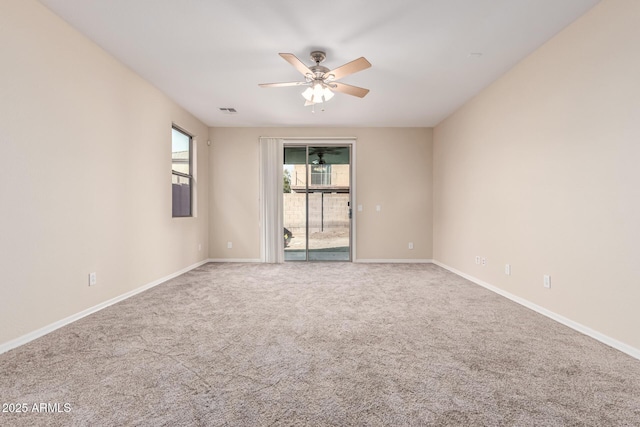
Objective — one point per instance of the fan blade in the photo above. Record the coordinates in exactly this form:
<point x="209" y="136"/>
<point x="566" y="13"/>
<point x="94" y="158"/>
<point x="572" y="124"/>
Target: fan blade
<point x="299" y="65"/>
<point x="349" y="90"/>
<point x="282" y="84"/>
<point x="349" y="68"/>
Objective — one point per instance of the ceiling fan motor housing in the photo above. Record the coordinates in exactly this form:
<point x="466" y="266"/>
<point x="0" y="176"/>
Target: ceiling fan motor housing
<point x="318" y="56"/>
<point x="318" y="70"/>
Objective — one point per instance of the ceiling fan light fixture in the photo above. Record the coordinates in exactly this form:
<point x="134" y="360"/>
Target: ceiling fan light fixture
<point x="318" y="91"/>
<point x="327" y="94"/>
<point x="308" y="94"/>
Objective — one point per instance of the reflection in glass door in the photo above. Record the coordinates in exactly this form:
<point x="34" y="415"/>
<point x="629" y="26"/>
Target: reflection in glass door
<point x="316" y="205"/>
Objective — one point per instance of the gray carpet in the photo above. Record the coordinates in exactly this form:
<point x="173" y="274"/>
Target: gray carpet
<point x="320" y="344"/>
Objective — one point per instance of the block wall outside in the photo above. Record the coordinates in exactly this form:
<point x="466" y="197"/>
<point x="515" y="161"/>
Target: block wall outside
<point x="326" y="210"/>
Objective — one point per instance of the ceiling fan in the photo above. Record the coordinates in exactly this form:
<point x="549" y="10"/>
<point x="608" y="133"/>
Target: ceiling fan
<point x="320" y="80"/>
<point x="321" y="151"/>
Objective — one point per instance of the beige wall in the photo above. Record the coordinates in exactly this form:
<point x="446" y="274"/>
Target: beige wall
<point x="85" y="181"/>
<point x="541" y="171"/>
<point x="393" y="169"/>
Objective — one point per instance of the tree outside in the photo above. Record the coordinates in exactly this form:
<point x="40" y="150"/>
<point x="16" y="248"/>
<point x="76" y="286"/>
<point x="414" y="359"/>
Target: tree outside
<point x="286" y="185"/>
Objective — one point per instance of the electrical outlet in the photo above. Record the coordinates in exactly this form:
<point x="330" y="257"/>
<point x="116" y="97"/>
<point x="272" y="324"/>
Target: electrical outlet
<point x="93" y="279"/>
<point x="199" y="246"/>
<point x="547" y="281"/>
<point x="507" y="269"/>
<point x="478" y="260"/>
<point x="378" y="208"/>
<point x="229" y="245"/>
<point x="484" y="262"/>
<point x="410" y="245"/>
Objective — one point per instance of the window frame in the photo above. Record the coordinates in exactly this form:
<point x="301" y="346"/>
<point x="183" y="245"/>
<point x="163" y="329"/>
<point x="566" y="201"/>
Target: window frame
<point x="188" y="176"/>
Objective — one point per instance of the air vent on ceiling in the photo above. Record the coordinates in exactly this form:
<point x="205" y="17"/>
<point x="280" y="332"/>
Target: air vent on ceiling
<point x="228" y="110"/>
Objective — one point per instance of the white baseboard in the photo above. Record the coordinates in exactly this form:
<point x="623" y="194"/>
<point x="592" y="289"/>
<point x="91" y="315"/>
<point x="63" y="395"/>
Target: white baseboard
<point x="67" y="320"/>
<point x="611" y="342"/>
<point x="395" y="261"/>
<point x="234" y="260"/>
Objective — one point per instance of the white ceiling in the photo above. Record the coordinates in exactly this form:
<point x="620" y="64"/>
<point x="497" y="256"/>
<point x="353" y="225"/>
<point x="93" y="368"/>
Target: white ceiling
<point x="207" y="54"/>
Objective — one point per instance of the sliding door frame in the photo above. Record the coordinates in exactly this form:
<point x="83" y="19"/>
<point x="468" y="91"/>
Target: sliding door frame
<point x="347" y="141"/>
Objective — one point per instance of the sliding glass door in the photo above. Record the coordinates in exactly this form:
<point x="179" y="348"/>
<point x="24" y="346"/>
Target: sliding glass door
<point x="317" y="202"/>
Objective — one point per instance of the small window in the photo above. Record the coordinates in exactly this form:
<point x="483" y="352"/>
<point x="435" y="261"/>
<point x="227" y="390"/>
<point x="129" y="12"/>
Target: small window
<point x="321" y="174"/>
<point x="182" y="176"/>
